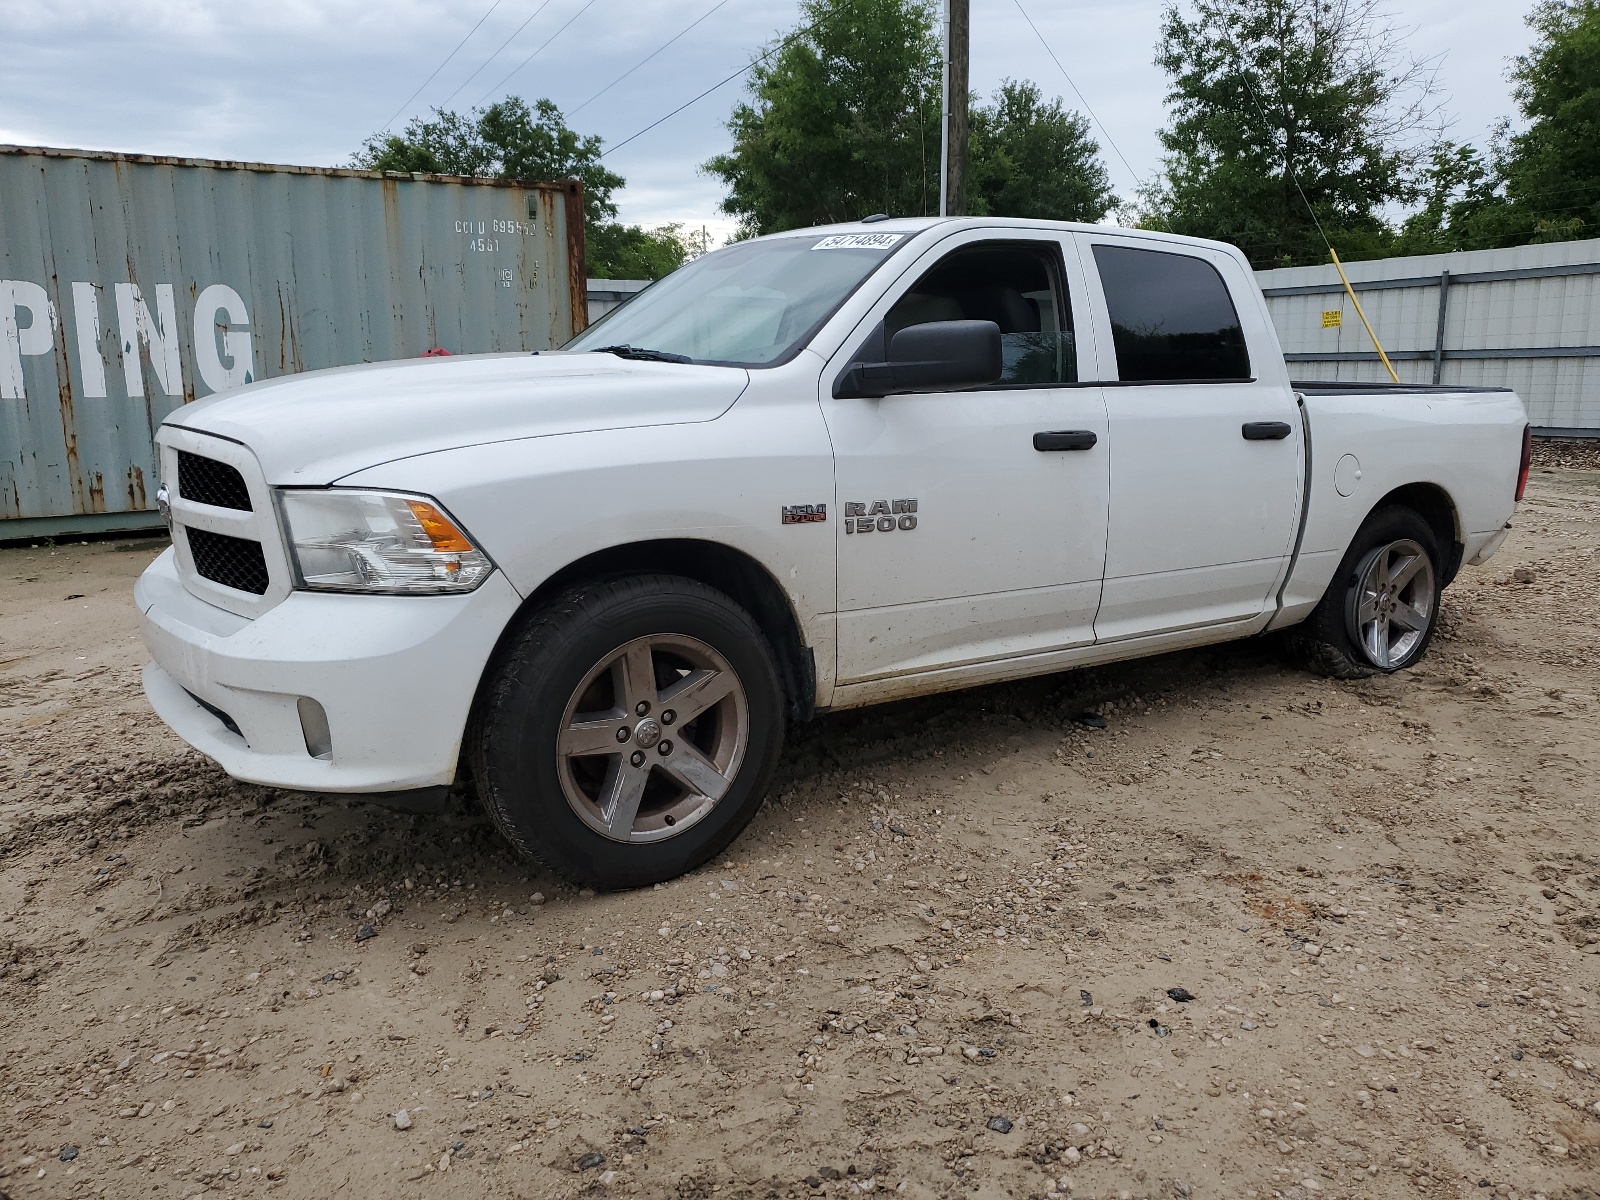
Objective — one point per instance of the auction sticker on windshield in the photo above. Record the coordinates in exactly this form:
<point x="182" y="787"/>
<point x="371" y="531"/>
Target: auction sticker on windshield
<point x="858" y="241"/>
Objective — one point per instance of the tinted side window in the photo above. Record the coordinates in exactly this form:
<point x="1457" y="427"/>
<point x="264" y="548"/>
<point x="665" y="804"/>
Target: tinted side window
<point x="1171" y="316"/>
<point x="1017" y="286"/>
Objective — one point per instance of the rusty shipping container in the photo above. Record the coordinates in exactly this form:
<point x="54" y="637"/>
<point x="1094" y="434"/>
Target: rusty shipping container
<point x="130" y="285"/>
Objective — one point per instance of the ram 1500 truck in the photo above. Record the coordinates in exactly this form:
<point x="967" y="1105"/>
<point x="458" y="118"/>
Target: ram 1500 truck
<point x="809" y="471"/>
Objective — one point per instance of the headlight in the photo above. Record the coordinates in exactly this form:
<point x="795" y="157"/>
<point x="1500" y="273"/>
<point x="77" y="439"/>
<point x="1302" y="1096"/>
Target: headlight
<point x="357" y="541"/>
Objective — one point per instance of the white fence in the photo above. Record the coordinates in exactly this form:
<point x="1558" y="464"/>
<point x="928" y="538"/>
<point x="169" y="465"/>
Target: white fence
<point x="1527" y="318"/>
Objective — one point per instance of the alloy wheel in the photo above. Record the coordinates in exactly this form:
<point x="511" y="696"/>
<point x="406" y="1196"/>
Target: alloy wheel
<point x="1391" y="606"/>
<point x="652" y="738"/>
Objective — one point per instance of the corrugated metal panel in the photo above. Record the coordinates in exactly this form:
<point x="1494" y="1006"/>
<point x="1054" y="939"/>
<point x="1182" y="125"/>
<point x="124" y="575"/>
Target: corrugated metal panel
<point x="132" y="284"/>
<point x="607" y="294"/>
<point x="1526" y="317"/>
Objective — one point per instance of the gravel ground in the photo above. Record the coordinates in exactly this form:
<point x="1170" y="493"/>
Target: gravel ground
<point x="1571" y="454"/>
<point x="1262" y="934"/>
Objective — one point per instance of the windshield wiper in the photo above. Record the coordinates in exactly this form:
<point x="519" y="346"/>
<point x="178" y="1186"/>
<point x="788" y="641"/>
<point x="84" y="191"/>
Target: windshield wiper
<point x="640" y="354"/>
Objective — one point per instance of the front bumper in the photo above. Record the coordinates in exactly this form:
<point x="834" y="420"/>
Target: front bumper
<point x="394" y="674"/>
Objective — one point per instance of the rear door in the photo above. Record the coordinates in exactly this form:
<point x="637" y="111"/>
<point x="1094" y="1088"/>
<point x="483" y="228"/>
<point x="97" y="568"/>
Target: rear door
<point x="972" y="522"/>
<point x="1206" y="453"/>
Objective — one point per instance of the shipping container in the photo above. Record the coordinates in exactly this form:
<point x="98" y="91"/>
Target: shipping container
<point x="1527" y="317"/>
<point x="132" y="284"/>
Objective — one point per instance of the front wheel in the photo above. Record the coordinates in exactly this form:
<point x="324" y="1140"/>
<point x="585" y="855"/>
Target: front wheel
<point x="629" y="730"/>
<point x="1379" y="613"/>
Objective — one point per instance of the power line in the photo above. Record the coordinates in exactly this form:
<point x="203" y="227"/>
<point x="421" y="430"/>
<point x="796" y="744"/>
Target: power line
<point x="537" y="52"/>
<point x="1591" y="186"/>
<point x="1288" y="162"/>
<point x="442" y="65"/>
<point x="1106" y="132"/>
<point x="677" y="110"/>
<point x="644" y="60"/>
<point x="1288" y="165"/>
<point x="838" y="10"/>
<point x="496" y="54"/>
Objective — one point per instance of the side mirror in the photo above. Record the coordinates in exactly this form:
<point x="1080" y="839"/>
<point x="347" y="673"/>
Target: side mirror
<point x="936" y="356"/>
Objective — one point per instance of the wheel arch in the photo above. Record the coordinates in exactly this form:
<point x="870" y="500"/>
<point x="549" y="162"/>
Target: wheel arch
<point x="1435" y="506"/>
<point x="715" y="564"/>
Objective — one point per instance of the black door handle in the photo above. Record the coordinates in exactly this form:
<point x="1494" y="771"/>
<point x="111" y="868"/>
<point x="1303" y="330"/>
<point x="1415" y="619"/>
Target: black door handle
<point x="1266" y="431"/>
<point x="1065" y="439"/>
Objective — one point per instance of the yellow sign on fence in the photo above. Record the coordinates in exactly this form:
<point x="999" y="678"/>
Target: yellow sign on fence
<point x="1332" y="318"/>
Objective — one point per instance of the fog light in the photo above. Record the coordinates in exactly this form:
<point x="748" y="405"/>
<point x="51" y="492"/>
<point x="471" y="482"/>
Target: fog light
<point x="314" y="725"/>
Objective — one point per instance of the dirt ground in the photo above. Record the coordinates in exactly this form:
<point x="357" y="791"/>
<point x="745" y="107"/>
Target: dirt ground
<point x="950" y="956"/>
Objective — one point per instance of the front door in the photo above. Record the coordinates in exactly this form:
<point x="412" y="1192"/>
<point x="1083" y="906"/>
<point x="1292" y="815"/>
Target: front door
<point x="1206" y="455"/>
<point x="972" y="523"/>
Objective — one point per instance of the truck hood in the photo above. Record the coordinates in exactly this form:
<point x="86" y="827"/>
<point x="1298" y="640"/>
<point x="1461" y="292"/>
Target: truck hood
<point x="316" y="428"/>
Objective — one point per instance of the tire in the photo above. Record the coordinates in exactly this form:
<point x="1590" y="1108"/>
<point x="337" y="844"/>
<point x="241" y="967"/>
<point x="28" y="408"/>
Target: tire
<point x="1365" y="625"/>
<point x="583" y="750"/>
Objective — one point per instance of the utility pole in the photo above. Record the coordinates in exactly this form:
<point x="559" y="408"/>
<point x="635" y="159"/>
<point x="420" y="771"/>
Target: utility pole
<point x="953" y="143"/>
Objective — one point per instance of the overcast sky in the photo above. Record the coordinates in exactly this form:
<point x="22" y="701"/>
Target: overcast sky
<point x="305" y="81"/>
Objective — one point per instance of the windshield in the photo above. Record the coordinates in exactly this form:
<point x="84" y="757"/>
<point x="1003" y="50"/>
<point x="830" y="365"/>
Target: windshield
<point x="751" y="304"/>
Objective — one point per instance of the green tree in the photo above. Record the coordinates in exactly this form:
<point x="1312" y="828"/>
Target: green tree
<point x="507" y="140"/>
<point x="612" y="250"/>
<point x="1552" y="169"/>
<point x="630" y="252"/>
<point x="510" y="140"/>
<point x="1542" y="184"/>
<point x="842" y="120"/>
<point x="448" y="144"/>
<point x="1272" y="98"/>
<point x="1460" y="204"/>
<point x="1028" y="158"/>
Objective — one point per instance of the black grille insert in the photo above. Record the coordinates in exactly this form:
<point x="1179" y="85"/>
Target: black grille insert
<point x="207" y="481"/>
<point x="230" y="561"/>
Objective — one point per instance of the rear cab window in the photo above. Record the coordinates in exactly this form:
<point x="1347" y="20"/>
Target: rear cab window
<point x="1172" y="319"/>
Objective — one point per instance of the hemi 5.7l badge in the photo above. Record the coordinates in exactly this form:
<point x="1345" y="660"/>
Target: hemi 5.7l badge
<point x="804" y="514"/>
<point x="881" y="516"/>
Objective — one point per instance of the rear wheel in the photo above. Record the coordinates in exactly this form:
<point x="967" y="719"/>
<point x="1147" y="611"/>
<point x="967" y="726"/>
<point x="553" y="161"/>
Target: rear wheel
<point x="1379" y="613"/>
<point x="629" y="731"/>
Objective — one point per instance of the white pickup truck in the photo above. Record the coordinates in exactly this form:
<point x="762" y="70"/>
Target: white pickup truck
<point x="809" y="471"/>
